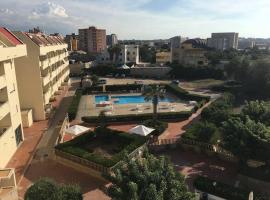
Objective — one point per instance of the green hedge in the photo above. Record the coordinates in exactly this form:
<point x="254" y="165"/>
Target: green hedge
<point x="126" y="143"/>
<point x="120" y="88"/>
<point x="89" y="90"/>
<point x="159" y="126"/>
<point x="184" y="95"/>
<point x="72" y="110"/>
<point x="140" y="117"/>
<point x="205" y="184"/>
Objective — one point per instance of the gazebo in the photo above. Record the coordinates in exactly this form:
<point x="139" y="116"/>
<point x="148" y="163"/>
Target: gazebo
<point x="141" y="130"/>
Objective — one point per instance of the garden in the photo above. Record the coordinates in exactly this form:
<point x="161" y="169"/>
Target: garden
<point x="103" y="146"/>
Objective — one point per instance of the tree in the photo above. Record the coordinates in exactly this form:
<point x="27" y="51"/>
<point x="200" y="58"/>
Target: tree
<point x="45" y="189"/>
<point x="147" y="178"/>
<point x="94" y="80"/>
<point x="114" y="52"/>
<point x="154" y="93"/>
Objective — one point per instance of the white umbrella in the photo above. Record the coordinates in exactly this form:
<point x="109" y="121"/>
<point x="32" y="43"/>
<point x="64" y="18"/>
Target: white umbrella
<point x="77" y="130"/>
<point x="141" y="130"/>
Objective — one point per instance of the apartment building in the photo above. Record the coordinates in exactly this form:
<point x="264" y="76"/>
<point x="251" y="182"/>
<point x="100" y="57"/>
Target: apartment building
<point x="223" y="41"/>
<point x="43" y="73"/>
<point x="192" y="52"/>
<point x="92" y="40"/>
<point x="72" y="41"/>
<point x="11" y="133"/>
<point x="163" y="57"/>
<point x="111" y="40"/>
<point x="127" y="54"/>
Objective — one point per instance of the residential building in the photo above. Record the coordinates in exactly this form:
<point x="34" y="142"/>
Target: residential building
<point x="246" y="43"/>
<point x="42" y="74"/>
<point x="127" y="54"/>
<point x="163" y="57"/>
<point x="223" y="41"/>
<point x="111" y="40"/>
<point x="192" y="52"/>
<point x="175" y="46"/>
<point x="11" y="132"/>
<point x="72" y="41"/>
<point x="150" y="71"/>
<point x="92" y="40"/>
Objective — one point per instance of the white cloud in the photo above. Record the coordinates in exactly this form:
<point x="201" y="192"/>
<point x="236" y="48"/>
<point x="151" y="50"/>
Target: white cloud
<point x="6" y="11"/>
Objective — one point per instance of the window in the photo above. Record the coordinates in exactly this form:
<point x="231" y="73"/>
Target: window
<point x="18" y="135"/>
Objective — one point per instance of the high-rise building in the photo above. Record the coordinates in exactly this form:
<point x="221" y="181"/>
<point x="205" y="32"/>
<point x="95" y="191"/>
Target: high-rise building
<point x="43" y="73"/>
<point x="72" y="41"/>
<point x="246" y="43"/>
<point x="111" y="40"/>
<point x="92" y="40"/>
<point x="11" y="132"/>
<point x="175" y="45"/>
<point x="223" y="41"/>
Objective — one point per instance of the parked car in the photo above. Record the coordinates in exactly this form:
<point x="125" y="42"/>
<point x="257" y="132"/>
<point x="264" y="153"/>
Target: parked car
<point x="102" y="81"/>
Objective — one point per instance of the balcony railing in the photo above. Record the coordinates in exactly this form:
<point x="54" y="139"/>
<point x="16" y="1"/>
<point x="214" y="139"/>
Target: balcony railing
<point x="3" y="81"/>
<point x="4" y="130"/>
<point x="4" y="109"/>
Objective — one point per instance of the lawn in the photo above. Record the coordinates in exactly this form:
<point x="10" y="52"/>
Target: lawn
<point x="103" y="146"/>
<point x="201" y="84"/>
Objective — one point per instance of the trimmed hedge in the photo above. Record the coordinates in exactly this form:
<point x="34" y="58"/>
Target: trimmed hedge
<point x="120" y="88"/>
<point x="140" y="117"/>
<point x="205" y="184"/>
<point x="73" y="108"/>
<point x="185" y="95"/>
<point x="89" y="90"/>
<point x="126" y="143"/>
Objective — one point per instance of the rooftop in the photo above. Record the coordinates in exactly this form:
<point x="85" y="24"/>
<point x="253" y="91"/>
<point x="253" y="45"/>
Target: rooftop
<point x="45" y="40"/>
<point x="8" y="39"/>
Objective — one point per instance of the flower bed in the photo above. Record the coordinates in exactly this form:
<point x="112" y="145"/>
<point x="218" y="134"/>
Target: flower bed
<point x="104" y="146"/>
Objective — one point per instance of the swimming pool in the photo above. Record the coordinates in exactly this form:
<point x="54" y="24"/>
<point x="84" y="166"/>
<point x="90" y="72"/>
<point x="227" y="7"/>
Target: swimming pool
<point x="128" y="99"/>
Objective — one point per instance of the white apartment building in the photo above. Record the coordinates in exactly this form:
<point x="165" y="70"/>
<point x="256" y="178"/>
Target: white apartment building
<point x="43" y="73"/>
<point x="11" y="133"/>
<point x="127" y="54"/>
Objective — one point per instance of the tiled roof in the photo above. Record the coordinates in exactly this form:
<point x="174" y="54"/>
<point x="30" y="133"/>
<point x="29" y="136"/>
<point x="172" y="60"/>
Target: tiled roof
<point x="45" y="40"/>
<point x="10" y="37"/>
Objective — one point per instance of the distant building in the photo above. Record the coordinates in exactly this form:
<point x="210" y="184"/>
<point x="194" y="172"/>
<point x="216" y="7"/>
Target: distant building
<point x="192" y="52"/>
<point x="72" y="41"/>
<point x="92" y="40"/>
<point x="128" y="54"/>
<point x="35" y="30"/>
<point x="246" y="43"/>
<point x="223" y="41"/>
<point x="163" y="57"/>
<point x="111" y="40"/>
<point x="175" y="46"/>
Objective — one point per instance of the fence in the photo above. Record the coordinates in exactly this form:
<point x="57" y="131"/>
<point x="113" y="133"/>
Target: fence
<point x="62" y="128"/>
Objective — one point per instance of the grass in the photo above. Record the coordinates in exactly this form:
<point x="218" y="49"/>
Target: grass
<point x="202" y="84"/>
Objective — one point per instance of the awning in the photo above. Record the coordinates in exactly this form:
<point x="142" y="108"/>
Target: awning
<point x="77" y="130"/>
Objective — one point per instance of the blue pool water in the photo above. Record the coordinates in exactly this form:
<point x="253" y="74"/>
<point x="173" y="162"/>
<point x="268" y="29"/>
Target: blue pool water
<point x="128" y="99"/>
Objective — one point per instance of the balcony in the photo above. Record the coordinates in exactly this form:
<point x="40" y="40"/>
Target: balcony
<point x="46" y="80"/>
<point x="4" y="109"/>
<point x="3" y="81"/>
<point x="47" y="96"/>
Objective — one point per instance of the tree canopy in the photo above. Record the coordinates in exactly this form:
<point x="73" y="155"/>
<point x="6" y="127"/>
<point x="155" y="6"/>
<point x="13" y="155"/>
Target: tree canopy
<point x="45" y="189"/>
<point x="147" y="178"/>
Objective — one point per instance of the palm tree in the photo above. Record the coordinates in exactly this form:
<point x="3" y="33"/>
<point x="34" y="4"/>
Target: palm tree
<point x="94" y="79"/>
<point x="154" y="93"/>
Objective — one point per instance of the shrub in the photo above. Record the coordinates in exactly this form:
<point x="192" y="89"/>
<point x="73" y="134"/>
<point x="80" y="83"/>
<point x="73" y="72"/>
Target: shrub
<point x="204" y="132"/>
<point x="73" y="108"/>
<point x="139" y="117"/>
<point x="159" y="126"/>
<point x="120" y="88"/>
<point x="126" y="143"/>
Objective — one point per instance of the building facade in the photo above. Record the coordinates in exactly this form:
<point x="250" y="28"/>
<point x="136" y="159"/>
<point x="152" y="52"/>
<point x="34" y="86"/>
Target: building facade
<point x="175" y="46"/>
<point x="192" y="52"/>
<point x="127" y="54"/>
<point x="163" y="57"/>
<point x="43" y="73"/>
<point x="92" y="40"/>
<point x="11" y="132"/>
<point x="72" y="41"/>
<point x="223" y="41"/>
<point x="111" y="40"/>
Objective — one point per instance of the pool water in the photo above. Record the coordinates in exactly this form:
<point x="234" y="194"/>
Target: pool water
<point x="128" y="99"/>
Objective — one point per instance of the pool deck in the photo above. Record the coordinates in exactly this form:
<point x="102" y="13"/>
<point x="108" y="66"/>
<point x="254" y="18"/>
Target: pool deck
<point x="87" y="107"/>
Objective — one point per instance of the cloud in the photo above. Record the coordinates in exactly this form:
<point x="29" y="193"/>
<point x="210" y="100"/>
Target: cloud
<point x="6" y="11"/>
<point x="48" y="9"/>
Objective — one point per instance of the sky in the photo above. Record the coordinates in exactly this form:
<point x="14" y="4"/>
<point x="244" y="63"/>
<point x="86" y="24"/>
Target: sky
<point x="140" y="19"/>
